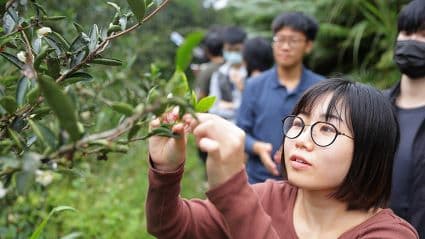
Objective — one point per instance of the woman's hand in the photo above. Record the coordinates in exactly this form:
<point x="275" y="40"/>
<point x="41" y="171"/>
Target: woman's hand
<point x="224" y="143"/>
<point x="168" y="154"/>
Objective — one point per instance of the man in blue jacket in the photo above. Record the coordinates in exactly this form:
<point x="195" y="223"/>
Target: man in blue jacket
<point x="408" y="97"/>
<point x="272" y="95"/>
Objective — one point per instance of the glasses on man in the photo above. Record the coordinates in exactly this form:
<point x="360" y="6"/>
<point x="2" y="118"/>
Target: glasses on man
<point x="322" y="133"/>
<point x="292" y="41"/>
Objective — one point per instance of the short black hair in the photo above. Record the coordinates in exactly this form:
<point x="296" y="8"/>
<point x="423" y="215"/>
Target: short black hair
<point x="297" y="21"/>
<point x="234" y="35"/>
<point x="213" y="43"/>
<point x="257" y="54"/>
<point x="374" y="126"/>
<point x="411" y="18"/>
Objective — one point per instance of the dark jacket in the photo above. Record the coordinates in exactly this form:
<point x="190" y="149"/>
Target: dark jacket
<point x="416" y="212"/>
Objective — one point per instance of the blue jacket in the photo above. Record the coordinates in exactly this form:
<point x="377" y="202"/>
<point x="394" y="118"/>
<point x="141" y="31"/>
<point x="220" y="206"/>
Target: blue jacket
<point x="264" y="103"/>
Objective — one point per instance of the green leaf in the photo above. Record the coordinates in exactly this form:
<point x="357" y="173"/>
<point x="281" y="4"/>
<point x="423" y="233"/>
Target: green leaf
<point x="114" y="5"/>
<point x="149" y="3"/>
<point x="178" y="84"/>
<point x="33" y="94"/>
<point x="44" y="134"/>
<point x="5" y="39"/>
<point x="13" y="59"/>
<point x="8" y="81"/>
<point x="194" y="98"/>
<point x="16" y="137"/>
<point x="40" y="57"/>
<point x="161" y="131"/>
<point x="61" y="105"/>
<point x="138" y="7"/>
<point x="21" y="90"/>
<point x="94" y="34"/>
<point x="77" y="77"/>
<point x="184" y="53"/>
<point x="123" y="108"/>
<point x="78" y="27"/>
<point x="107" y="61"/>
<point x="39" y="8"/>
<point x="37" y="233"/>
<point x="53" y="43"/>
<point x="9" y="104"/>
<point x="133" y="131"/>
<point x="53" y="67"/>
<point x="61" y="39"/>
<point x="205" y="104"/>
<point x="79" y="44"/>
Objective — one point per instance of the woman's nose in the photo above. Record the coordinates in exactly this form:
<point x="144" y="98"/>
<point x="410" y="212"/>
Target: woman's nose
<point x="304" y="140"/>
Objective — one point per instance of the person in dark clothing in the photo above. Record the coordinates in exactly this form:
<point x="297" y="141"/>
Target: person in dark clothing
<point x="257" y="55"/>
<point x="408" y="97"/>
<point x="213" y="47"/>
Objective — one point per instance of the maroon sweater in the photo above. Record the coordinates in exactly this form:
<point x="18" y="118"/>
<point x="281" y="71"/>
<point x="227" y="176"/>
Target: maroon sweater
<point x="237" y="210"/>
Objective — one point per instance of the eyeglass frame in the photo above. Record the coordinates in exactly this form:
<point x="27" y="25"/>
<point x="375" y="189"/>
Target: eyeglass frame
<point x="311" y="131"/>
<point x="292" y="42"/>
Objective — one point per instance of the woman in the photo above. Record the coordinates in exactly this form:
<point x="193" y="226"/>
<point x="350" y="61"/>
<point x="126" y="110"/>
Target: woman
<point x="338" y="153"/>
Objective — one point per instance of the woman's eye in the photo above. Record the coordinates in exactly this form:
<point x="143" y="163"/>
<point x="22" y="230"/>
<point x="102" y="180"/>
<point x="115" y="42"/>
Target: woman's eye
<point x="297" y="123"/>
<point x="327" y="129"/>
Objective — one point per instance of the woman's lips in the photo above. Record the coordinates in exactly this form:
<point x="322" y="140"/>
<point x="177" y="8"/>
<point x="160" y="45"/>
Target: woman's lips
<point x="298" y="162"/>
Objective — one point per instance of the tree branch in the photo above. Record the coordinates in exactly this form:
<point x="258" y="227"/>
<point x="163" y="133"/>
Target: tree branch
<point x="109" y="135"/>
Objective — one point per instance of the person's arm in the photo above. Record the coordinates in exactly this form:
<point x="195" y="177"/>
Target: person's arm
<point x="169" y="216"/>
<point x="242" y="209"/>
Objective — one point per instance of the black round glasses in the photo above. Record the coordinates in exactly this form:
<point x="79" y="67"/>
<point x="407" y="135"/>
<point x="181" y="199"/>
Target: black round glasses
<point x="322" y="133"/>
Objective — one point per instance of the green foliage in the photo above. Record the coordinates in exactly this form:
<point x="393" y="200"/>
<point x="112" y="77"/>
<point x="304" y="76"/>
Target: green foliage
<point x="39" y="229"/>
<point x="355" y="36"/>
<point x="61" y="105"/>
<point x="69" y="95"/>
<point x="138" y="7"/>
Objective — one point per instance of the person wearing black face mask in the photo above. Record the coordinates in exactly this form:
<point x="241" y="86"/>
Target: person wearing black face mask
<point x="410" y="57"/>
<point x="408" y="98"/>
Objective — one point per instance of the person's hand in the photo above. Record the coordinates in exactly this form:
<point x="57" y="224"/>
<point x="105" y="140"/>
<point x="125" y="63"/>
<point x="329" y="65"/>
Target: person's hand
<point x="264" y="151"/>
<point x="224" y="143"/>
<point x="168" y="154"/>
<point x="237" y="79"/>
<point x="277" y="157"/>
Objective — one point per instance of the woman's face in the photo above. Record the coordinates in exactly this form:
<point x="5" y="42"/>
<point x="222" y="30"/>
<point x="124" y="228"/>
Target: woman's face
<point x="312" y="167"/>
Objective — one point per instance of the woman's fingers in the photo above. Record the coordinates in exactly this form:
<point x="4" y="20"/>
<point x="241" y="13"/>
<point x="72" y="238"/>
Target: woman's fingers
<point x="154" y="124"/>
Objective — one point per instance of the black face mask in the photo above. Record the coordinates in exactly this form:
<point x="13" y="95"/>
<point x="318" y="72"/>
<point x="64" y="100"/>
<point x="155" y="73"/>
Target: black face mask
<point x="409" y="55"/>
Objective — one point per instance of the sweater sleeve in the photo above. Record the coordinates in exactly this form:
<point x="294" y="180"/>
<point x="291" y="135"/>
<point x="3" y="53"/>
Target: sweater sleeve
<point x="242" y="209"/>
<point x="169" y="216"/>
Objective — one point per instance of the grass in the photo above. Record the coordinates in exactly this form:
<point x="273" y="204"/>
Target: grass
<point x="110" y="196"/>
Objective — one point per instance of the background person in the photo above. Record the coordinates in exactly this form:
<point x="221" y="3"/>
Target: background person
<point x="213" y="48"/>
<point x="408" y="98"/>
<point x="272" y="95"/>
<point x="257" y="55"/>
<point x="227" y="82"/>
